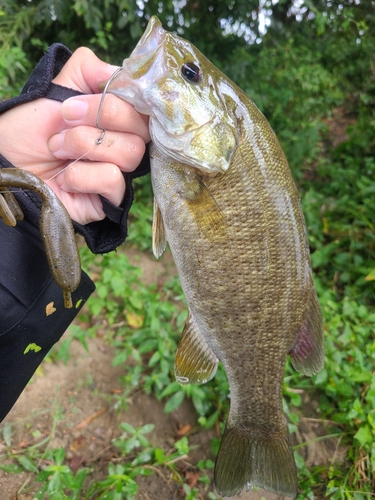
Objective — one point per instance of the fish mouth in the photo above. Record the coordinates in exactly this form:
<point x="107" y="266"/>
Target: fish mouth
<point x="151" y="39"/>
<point x="142" y="67"/>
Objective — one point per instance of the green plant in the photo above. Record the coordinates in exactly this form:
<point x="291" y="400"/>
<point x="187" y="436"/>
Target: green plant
<point x="60" y="482"/>
<point x="14" y="64"/>
<point x="132" y="438"/>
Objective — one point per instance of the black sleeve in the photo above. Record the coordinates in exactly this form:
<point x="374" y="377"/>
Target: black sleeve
<point x="103" y="236"/>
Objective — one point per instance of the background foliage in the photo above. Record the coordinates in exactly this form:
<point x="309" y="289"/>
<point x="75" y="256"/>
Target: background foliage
<point x="310" y="67"/>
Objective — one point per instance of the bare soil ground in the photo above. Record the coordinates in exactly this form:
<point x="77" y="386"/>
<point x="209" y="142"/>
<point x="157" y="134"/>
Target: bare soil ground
<point x="82" y="394"/>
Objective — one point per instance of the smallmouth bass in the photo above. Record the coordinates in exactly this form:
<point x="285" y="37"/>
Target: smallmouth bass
<point x="226" y="203"/>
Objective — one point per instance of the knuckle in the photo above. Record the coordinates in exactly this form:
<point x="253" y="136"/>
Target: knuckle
<point x="83" y="53"/>
<point x="127" y="152"/>
<point x="136" y="150"/>
<point x="113" y="186"/>
<point x="118" y="114"/>
<point x="131" y="113"/>
<point x="77" y="139"/>
<point x="114" y="173"/>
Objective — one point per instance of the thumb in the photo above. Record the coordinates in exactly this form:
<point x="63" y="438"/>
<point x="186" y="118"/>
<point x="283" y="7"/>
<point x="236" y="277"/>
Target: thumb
<point x="85" y="72"/>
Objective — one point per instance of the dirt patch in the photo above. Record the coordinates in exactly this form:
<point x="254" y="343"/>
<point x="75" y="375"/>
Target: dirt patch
<point x="80" y="396"/>
<point x="338" y="123"/>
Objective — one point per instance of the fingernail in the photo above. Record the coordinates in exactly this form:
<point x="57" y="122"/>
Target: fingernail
<point x="56" y="141"/>
<point x="74" y="109"/>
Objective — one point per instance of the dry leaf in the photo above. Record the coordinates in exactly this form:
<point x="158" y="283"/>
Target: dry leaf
<point x="191" y="478"/>
<point x="134" y="320"/>
<point x="50" y="308"/>
<point x="77" y="444"/>
<point x="185" y="429"/>
<point x="90" y="418"/>
<point x="76" y="463"/>
<point x="116" y="390"/>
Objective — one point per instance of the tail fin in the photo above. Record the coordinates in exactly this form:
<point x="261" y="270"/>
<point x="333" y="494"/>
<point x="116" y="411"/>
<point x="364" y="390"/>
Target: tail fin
<point x="247" y="459"/>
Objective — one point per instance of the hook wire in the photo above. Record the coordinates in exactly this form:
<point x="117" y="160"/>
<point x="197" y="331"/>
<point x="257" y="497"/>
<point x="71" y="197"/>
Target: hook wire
<point x="100" y="139"/>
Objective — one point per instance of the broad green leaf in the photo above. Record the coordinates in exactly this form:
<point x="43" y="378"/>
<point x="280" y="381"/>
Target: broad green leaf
<point x="7" y="433"/>
<point x="364" y="435"/>
<point x="27" y="463"/>
<point x="12" y="468"/>
<point x="370" y="276"/>
<point x="125" y="426"/>
<point x="174" y="402"/>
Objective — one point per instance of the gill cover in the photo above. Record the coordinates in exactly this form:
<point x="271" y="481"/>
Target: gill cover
<point x="189" y="118"/>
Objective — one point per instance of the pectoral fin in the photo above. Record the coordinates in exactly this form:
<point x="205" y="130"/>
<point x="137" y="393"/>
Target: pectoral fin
<point x="159" y="241"/>
<point x="204" y="209"/>
<point x="308" y="353"/>
<point x="195" y="362"/>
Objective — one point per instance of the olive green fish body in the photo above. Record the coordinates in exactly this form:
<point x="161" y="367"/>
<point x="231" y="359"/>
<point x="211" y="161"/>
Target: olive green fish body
<point x="244" y="267"/>
<point x="228" y="207"/>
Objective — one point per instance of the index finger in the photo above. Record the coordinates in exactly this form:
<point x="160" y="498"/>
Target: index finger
<point x="115" y="114"/>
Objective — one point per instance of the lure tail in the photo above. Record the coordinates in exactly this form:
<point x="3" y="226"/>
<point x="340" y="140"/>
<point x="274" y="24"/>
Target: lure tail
<point x="247" y="457"/>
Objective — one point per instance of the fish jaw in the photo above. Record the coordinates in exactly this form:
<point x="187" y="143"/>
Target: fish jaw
<point x="151" y="39"/>
<point x="189" y="122"/>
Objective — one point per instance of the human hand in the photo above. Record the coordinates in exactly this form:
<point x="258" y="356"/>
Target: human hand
<point x="45" y="136"/>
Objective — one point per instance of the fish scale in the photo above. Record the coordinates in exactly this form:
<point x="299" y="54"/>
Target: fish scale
<point x="226" y="203"/>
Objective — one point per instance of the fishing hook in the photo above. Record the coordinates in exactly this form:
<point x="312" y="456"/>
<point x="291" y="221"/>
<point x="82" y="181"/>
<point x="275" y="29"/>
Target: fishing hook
<point x="100" y="139"/>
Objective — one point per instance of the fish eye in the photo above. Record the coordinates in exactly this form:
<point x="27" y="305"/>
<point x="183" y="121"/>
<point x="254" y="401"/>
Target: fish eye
<point x="191" y="72"/>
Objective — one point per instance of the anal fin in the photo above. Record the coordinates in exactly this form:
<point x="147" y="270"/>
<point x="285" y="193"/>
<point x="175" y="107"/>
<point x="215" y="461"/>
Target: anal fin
<point x="195" y="362"/>
<point x="308" y="352"/>
<point x="13" y="204"/>
<point x="6" y="213"/>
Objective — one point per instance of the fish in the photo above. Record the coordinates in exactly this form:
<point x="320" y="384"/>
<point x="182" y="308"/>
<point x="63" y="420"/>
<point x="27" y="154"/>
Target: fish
<point x="227" y="205"/>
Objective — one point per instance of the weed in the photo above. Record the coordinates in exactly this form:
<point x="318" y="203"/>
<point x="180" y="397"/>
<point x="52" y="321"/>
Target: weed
<point x="60" y="482"/>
